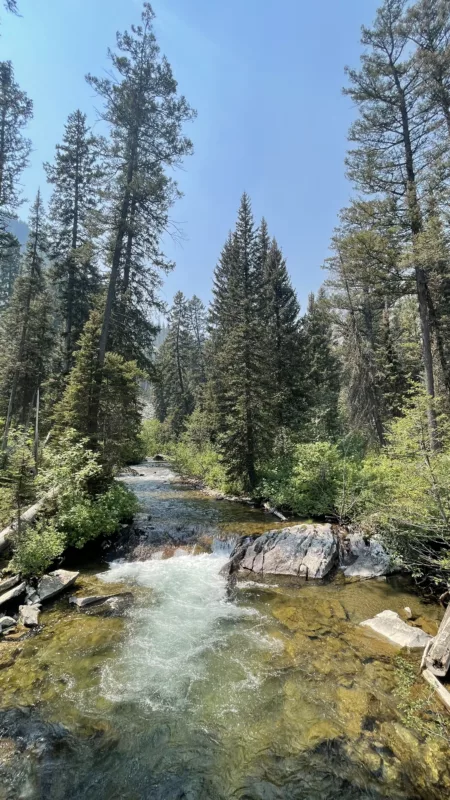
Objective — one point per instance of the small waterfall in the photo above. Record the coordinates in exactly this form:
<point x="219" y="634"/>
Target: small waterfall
<point x="223" y="547"/>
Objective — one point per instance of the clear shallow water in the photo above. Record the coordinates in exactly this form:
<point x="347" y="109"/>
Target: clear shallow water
<point x="271" y="692"/>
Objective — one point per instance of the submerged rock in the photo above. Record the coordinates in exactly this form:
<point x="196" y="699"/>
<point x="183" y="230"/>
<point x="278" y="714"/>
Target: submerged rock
<point x="15" y="592"/>
<point x="307" y="551"/>
<point x="390" y="625"/>
<point x="51" y="585"/>
<point x="114" y="606"/>
<point x="82" y="602"/>
<point x="363" y="557"/>
<point x="29" y="615"/>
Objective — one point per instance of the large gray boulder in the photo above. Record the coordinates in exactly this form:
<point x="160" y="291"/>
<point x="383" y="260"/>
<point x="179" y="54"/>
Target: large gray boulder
<point x="392" y="627"/>
<point x="362" y="557"/>
<point x="51" y="585"/>
<point x="305" y="551"/>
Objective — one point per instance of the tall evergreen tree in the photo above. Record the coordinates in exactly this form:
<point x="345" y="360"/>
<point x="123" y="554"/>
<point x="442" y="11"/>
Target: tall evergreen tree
<point x="284" y="357"/>
<point x="75" y="177"/>
<point x="175" y="388"/>
<point x="238" y="352"/>
<point x="16" y="110"/>
<point x="392" y="135"/>
<point x="145" y="115"/>
<point x="25" y="328"/>
<point x="321" y="376"/>
<point x="198" y="329"/>
<point x="9" y="267"/>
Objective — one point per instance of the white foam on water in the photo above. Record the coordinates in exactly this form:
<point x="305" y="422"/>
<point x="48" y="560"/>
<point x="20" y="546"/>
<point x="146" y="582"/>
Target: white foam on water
<point x="170" y="636"/>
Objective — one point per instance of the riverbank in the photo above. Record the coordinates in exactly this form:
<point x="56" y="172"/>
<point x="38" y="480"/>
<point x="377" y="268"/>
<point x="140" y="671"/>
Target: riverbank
<point x="274" y="690"/>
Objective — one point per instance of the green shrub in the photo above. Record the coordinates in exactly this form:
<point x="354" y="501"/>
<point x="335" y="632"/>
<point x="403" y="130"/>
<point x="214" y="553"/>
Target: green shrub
<point x="36" y="548"/>
<point x="406" y="494"/>
<point x="315" y="480"/>
<point x="154" y="437"/>
<point x="87" y="518"/>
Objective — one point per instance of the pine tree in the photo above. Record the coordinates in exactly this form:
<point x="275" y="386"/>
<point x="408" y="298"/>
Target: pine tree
<point x="145" y="115"/>
<point x="393" y="134"/>
<point x="238" y="377"/>
<point x="428" y="27"/>
<point x="16" y="110"/>
<point x="75" y="176"/>
<point x="25" y="328"/>
<point x="284" y="356"/>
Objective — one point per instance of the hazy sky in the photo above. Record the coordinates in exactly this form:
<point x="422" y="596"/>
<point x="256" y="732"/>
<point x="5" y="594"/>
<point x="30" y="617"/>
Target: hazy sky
<point x="265" y="77"/>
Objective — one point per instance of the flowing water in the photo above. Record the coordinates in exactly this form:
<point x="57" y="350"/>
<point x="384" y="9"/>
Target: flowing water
<point x="269" y="691"/>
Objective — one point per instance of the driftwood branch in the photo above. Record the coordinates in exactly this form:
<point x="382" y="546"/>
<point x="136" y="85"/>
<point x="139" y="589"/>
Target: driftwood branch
<point x="438" y="657"/>
<point x="440" y="690"/>
<point x="275" y="512"/>
<point x="27" y="518"/>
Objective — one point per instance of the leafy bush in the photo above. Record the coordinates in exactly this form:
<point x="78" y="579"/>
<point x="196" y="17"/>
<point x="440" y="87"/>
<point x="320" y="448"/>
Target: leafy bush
<point x="194" y="454"/>
<point x="74" y="514"/>
<point x="154" y="437"/>
<point x="406" y="495"/>
<point x="315" y="480"/>
<point x="36" y="548"/>
<point x="88" y="518"/>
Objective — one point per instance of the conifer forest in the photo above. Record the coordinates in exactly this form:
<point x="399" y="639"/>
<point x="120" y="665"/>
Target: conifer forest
<point x="336" y="414"/>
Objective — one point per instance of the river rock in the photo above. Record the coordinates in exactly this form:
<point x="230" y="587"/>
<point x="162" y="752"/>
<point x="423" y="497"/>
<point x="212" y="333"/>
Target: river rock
<point x="6" y="622"/>
<point x="363" y="557"/>
<point x="308" y="551"/>
<point x="51" y="585"/>
<point x="16" y="591"/>
<point x="390" y="625"/>
<point x="29" y="615"/>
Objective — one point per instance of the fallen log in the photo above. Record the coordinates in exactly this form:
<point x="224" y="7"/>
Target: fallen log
<point x="438" y="656"/>
<point x="275" y="512"/>
<point x="440" y="690"/>
<point x="27" y="518"/>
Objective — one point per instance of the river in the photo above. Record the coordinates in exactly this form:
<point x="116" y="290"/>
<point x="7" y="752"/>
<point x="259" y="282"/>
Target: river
<point x="267" y="692"/>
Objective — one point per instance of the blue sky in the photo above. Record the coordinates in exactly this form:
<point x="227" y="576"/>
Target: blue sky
<point x="265" y="77"/>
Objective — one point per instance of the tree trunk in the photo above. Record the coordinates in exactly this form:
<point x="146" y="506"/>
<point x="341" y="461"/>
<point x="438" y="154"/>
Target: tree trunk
<point x="415" y="221"/>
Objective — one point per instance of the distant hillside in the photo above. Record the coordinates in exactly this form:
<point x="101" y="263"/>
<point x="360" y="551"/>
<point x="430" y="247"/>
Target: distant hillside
<point x="19" y="229"/>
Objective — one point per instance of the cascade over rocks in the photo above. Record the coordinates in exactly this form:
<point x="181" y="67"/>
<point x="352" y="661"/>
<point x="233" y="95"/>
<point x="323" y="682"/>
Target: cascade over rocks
<point x="311" y="552"/>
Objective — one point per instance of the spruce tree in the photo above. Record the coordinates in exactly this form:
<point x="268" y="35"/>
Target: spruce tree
<point x="26" y="328"/>
<point x="16" y="110"/>
<point x="239" y="381"/>
<point x="75" y="177"/>
<point x="284" y="356"/>
<point x="322" y="372"/>
<point x="197" y="317"/>
<point x="10" y="256"/>
<point x="175" y="389"/>
<point x="119" y="402"/>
